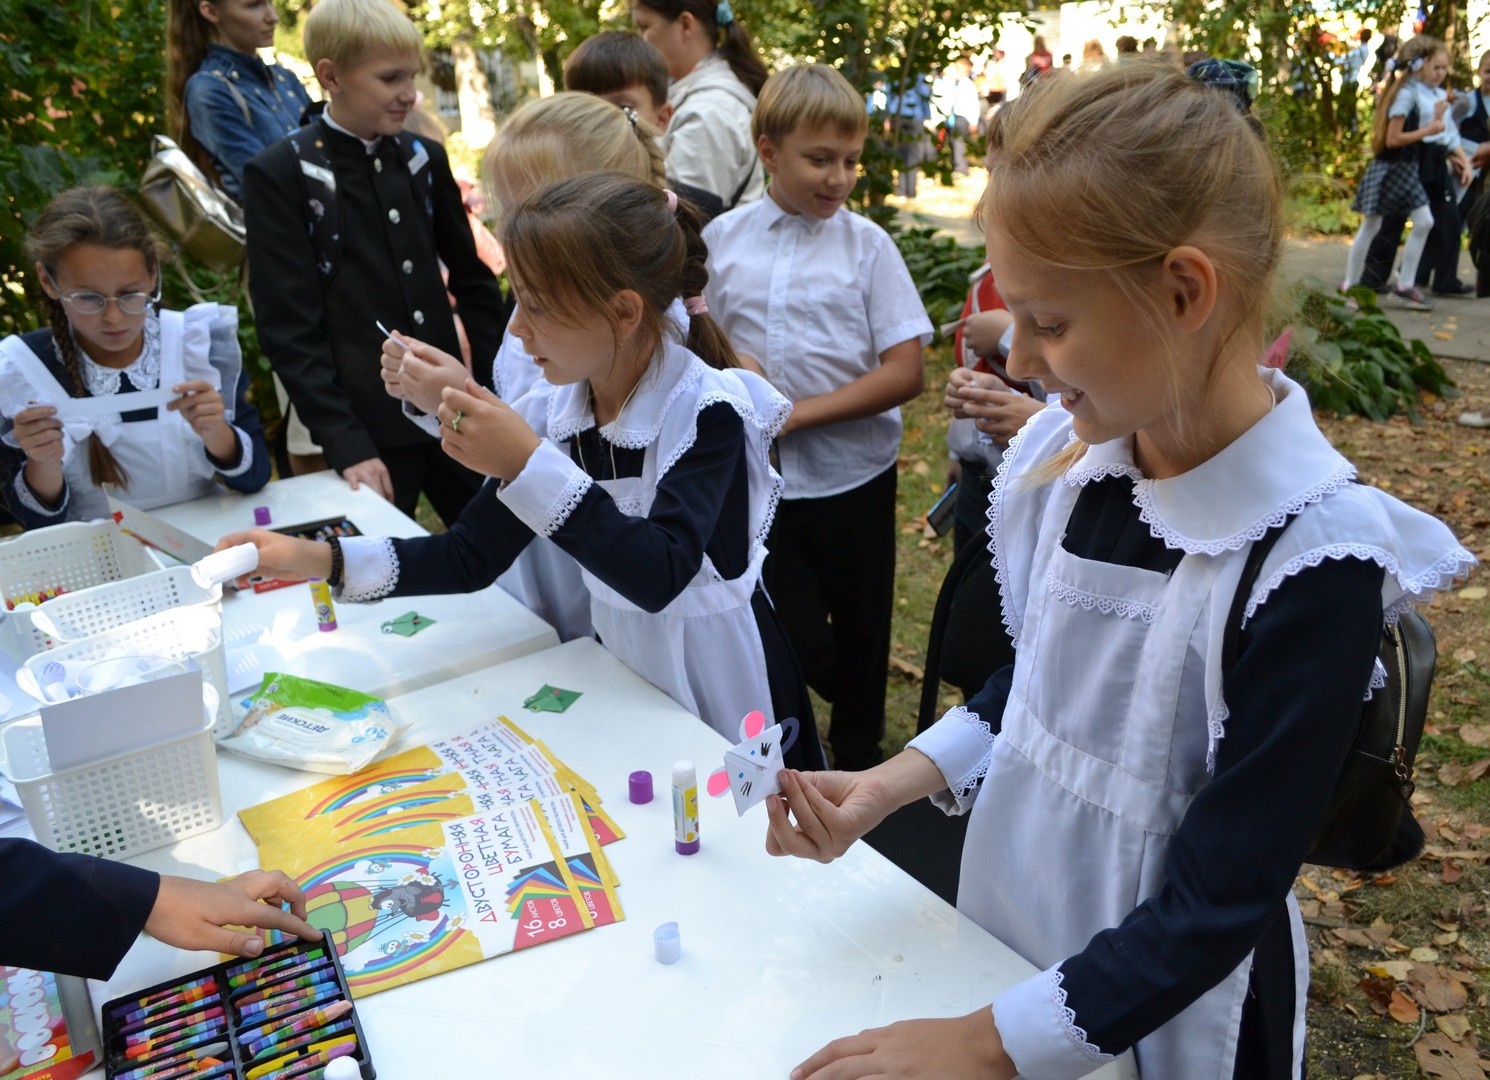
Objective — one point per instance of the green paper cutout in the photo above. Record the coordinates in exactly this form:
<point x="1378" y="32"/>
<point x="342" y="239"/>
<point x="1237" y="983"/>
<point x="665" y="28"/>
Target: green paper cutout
<point x="408" y="624"/>
<point x="551" y="699"/>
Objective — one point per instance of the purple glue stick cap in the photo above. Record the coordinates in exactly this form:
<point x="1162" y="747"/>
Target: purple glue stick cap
<point x="639" y="785"/>
<point x="261" y="516"/>
<point x="666" y="944"/>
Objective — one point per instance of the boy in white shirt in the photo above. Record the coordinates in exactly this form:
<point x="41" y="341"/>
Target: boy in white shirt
<point x="822" y="299"/>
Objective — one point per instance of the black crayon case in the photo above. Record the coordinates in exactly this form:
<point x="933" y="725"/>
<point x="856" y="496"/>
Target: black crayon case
<point x="117" y="1063"/>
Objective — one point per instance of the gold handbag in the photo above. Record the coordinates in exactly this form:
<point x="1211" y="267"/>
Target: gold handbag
<point x="204" y="221"/>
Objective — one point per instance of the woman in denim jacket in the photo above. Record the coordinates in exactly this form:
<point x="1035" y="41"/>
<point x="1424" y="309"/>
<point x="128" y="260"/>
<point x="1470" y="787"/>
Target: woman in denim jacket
<point x="225" y="103"/>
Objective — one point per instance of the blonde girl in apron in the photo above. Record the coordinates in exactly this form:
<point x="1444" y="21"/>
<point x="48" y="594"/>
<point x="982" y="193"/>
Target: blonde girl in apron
<point x="1138" y="815"/>
<point x="643" y="454"/>
<point x="117" y="391"/>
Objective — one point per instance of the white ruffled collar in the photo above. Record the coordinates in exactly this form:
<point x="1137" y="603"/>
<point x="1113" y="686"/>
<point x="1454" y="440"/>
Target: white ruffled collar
<point x="144" y="371"/>
<point x="640" y="421"/>
<point x="1277" y="467"/>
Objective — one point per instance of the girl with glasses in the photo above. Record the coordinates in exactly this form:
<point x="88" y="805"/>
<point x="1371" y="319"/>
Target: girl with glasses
<point x="174" y="433"/>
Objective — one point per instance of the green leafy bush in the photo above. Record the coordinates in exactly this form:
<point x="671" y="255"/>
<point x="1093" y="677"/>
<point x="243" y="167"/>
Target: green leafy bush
<point x="940" y="267"/>
<point x="1356" y="362"/>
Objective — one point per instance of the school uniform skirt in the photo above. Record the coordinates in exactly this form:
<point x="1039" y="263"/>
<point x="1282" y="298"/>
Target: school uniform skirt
<point x="1390" y="187"/>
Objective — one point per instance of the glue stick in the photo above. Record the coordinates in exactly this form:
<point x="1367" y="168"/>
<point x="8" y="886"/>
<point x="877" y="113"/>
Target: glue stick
<point x="320" y="596"/>
<point x="685" y="808"/>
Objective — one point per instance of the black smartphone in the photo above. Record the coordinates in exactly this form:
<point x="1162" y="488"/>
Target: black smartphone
<point x="940" y="516"/>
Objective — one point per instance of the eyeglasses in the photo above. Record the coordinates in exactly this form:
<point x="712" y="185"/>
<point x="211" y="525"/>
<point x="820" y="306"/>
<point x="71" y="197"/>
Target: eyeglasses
<point x="92" y="303"/>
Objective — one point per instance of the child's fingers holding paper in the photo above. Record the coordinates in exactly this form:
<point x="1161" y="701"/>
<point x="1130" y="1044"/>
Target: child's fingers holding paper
<point x="194" y="914"/>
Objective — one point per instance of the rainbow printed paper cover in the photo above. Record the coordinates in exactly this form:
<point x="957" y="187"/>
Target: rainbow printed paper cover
<point x="496" y="757"/>
<point x="415" y="901"/>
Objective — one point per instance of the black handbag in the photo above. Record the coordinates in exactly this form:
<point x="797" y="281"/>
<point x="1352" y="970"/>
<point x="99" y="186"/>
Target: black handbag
<point x="1369" y="824"/>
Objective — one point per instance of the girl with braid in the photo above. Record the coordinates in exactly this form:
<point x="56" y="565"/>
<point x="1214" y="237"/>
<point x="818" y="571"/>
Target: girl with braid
<point x="174" y="434"/>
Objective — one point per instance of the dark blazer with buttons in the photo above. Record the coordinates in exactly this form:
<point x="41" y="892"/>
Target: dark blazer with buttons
<point x="320" y="333"/>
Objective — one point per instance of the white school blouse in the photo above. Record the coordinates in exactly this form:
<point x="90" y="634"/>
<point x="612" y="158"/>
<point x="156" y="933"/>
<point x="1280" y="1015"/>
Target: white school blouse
<point x="816" y="302"/>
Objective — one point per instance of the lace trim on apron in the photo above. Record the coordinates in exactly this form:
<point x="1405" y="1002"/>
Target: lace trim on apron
<point x="1439" y="575"/>
<point x="1121" y="606"/>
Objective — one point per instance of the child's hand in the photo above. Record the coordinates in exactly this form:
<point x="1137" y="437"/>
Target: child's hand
<point x="390" y="366"/>
<point x="281" y="556"/>
<point x="951" y="1049"/>
<point x="427" y="372"/>
<point x="960" y="380"/>
<point x="483" y="433"/>
<point x="39" y="433"/>
<point x="832" y="810"/>
<point x="1441" y="106"/>
<point x="371" y="472"/>
<point x="192" y="914"/>
<point x="201" y="406"/>
<point x="981" y="332"/>
<point x="998" y="411"/>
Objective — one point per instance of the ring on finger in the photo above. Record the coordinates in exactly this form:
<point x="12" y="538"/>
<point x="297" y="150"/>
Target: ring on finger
<point x="455" y="421"/>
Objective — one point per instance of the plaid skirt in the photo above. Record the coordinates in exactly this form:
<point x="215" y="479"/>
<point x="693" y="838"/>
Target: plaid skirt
<point x="1389" y="187"/>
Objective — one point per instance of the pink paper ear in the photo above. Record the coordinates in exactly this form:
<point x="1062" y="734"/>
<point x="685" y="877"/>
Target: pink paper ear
<point x="753" y="724"/>
<point x="718" y="782"/>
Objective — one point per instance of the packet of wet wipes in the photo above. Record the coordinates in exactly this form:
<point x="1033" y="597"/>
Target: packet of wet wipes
<point x="312" y="725"/>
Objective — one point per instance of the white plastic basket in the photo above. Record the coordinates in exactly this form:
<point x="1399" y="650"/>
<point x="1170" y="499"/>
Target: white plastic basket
<point x="121" y="805"/>
<point x="82" y="614"/>
<point x="177" y="633"/>
<point x="70" y="556"/>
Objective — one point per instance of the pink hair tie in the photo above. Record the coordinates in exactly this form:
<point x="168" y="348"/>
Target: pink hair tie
<point x="695" y="305"/>
<point x="672" y="200"/>
<point x="1277" y="353"/>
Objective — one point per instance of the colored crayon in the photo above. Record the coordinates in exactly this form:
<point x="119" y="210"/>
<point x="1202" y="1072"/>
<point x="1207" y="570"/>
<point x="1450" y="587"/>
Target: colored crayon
<point x="266" y="1069"/>
<point x="192" y="991"/>
<point x="153" y="1034"/>
<point x="320" y="1059"/>
<point x="322" y="972"/>
<point x="323" y="993"/>
<point x="155" y="1068"/>
<point x="258" y="978"/>
<point x="304" y="983"/>
<point x="293" y="1026"/>
<point x="183" y="1035"/>
<point x="238" y="974"/>
<point x="180" y="1008"/>
<point x="278" y="1056"/>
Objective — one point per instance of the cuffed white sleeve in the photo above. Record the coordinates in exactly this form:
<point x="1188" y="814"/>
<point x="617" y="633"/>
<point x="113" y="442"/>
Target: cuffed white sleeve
<point x="959" y="744"/>
<point x="547" y="491"/>
<point x="1042" y="1036"/>
<point x="369" y="569"/>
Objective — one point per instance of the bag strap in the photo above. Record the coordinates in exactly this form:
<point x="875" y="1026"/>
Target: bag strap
<point x="1255" y="556"/>
<point x="318" y="187"/>
<point x="237" y="95"/>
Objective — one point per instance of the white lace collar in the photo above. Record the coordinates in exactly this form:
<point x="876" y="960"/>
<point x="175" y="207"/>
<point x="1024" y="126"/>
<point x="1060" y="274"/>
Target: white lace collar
<point x="144" y="373"/>
<point x="1280" y="465"/>
<point x="640" y="420"/>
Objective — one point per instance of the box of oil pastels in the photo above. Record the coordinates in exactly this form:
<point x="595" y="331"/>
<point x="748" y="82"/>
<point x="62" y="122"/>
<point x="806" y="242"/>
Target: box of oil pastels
<point x="283" y="1016"/>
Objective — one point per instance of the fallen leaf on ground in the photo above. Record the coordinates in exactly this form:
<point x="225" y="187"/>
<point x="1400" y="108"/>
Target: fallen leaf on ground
<point x="1455" y="1026"/>
<point x="1441" y="1057"/>
<point x="1474" y="592"/>
<point x="1436" y="991"/>
<point x="1402" y="1008"/>
<point x="1396" y="970"/>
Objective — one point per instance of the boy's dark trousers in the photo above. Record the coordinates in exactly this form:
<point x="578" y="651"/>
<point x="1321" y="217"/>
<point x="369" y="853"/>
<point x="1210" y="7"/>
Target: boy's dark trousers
<point x="831" y="575"/>
<point x="426" y="467"/>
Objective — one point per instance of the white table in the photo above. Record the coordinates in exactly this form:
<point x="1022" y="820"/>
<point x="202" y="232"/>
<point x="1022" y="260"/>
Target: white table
<point x="779" y="955"/>
<point x="277" y="630"/>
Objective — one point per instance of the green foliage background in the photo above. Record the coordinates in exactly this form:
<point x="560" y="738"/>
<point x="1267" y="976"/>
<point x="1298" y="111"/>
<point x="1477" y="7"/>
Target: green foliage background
<point x="85" y="79"/>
